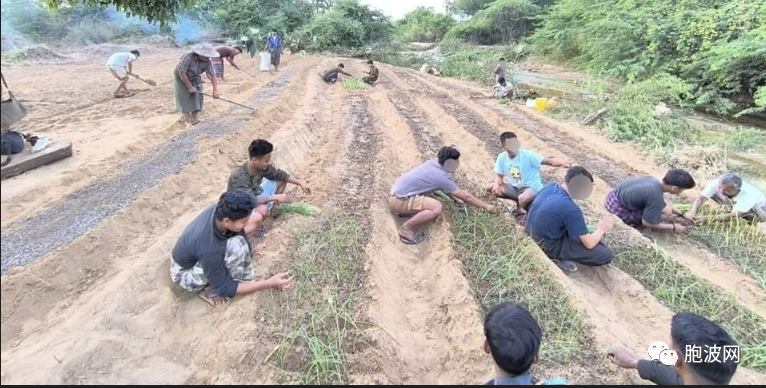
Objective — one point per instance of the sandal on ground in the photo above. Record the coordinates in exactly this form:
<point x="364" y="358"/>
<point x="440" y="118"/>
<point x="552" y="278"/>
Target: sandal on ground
<point x="209" y="299"/>
<point x="416" y="239"/>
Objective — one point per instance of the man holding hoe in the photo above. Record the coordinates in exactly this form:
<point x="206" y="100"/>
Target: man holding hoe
<point x="188" y="81"/>
<point x="121" y="66"/>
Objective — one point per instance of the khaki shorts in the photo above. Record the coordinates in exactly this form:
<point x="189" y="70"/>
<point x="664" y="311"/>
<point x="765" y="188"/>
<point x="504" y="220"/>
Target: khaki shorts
<point x="411" y="205"/>
<point x="118" y="72"/>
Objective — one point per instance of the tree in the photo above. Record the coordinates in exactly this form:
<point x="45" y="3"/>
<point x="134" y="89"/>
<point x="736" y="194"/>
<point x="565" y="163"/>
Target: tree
<point x="469" y="7"/>
<point x="155" y="11"/>
<point x="424" y="25"/>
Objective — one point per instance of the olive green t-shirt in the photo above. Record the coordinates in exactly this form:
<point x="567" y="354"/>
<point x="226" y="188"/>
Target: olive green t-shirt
<point x="241" y="178"/>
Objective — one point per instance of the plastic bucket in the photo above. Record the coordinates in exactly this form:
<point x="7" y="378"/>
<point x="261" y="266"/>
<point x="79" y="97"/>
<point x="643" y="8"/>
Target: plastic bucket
<point x="541" y="104"/>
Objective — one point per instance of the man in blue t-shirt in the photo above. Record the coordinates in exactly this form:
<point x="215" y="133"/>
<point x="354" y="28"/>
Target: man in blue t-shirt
<point x="558" y="226"/>
<point x="518" y="172"/>
<point x="274" y="47"/>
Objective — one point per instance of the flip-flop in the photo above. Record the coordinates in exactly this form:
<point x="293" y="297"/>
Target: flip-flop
<point x="405" y="215"/>
<point x="417" y="239"/>
<point x="567" y="266"/>
<point x="210" y="300"/>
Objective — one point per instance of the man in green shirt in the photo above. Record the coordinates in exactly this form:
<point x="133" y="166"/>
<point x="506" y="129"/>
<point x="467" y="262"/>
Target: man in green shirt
<point x="372" y="78"/>
<point x="250" y="177"/>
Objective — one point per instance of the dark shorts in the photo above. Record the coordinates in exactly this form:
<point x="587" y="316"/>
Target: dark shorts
<point x="276" y="55"/>
<point x="369" y="80"/>
<point x="630" y="217"/>
<point x="514" y="192"/>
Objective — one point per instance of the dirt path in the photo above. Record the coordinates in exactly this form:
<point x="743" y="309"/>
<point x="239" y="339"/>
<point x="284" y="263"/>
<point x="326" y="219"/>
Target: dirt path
<point x="429" y="329"/>
<point x="628" y="316"/>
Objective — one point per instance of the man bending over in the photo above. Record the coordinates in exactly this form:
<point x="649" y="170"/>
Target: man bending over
<point x="747" y="201"/>
<point x="409" y="193"/>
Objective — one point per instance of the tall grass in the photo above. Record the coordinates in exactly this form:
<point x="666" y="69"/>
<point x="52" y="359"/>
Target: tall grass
<point x="682" y="291"/>
<point x="327" y="262"/>
<point x="501" y="265"/>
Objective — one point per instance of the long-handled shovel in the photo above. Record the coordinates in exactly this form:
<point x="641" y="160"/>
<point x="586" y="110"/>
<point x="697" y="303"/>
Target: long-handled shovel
<point x="229" y="101"/>
<point x="148" y="81"/>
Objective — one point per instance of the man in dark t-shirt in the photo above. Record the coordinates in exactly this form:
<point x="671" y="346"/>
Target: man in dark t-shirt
<point x="374" y="73"/>
<point x="213" y="257"/>
<point x="640" y="201"/>
<point x="558" y="226"/>
<point x="331" y="75"/>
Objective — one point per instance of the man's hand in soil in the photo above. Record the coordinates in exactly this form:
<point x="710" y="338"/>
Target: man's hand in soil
<point x="282" y="281"/>
<point x="678" y="228"/>
<point x="497" y="190"/>
<point x="623" y="358"/>
<point x="306" y="189"/>
<point x="491" y="209"/>
<point x="690" y="217"/>
<point x="604" y="225"/>
<point x="282" y="198"/>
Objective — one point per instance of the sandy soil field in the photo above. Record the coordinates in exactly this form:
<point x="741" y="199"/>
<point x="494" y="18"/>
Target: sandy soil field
<point x="86" y="297"/>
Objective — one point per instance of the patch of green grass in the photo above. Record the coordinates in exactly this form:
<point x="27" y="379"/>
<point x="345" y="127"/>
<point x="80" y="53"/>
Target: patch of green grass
<point x="681" y="291"/>
<point x="745" y="139"/>
<point x="500" y="264"/>
<point x="327" y="263"/>
<point x="299" y="208"/>
<point x="353" y="83"/>
<point x="737" y="241"/>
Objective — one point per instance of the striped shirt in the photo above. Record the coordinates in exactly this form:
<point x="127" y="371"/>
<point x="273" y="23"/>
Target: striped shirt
<point x="193" y="67"/>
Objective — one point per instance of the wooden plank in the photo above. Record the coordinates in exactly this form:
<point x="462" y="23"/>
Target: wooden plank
<point x="27" y="160"/>
<point x="593" y="117"/>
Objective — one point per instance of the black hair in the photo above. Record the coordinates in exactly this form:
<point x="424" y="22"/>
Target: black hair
<point x="260" y="148"/>
<point x="691" y="331"/>
<point x="507" y="135"/>
<point x="501" y="81"/>
<point x="135" y="52"/>
<point x="235" y="204"/>
<point x="342" y="66"/>
<point x="680" y="178"/>
<point x="575" y="171"/>
<point x="369" y="62"/>
<point x="238" y="49"/>
<point x="502" y="59"/>
<point x="447" y="153"/>
<point x="513" y="336"/>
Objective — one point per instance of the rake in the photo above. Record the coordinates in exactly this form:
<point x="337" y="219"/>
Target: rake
<point x="230" y="102"/>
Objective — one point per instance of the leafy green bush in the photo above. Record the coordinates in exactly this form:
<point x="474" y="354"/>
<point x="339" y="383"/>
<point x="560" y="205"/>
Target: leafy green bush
<point x="476" y="63"/>
<point x="745" y="139"/>
<point x="423" y="25"/>
<point x="715" y="45"/>
<point x="502" y="21"/>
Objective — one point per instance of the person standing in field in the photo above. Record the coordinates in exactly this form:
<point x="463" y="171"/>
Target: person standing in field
<point x="640" y="201"/>
<point x="500" y="70"/>
<point x="373" y="72"/>
<point x="557" y="224"/>
<point x="264" y="182"/>
<point x="188" y="81"/>
<point x="518" y="172"/>
<point x="746" y="200"/>
<point x="409" y="194"/>
<point x="228" y="53"/>
<point x="121" y="66"/>
<point x="213" y="257"/>
<point x="274" y="47"/>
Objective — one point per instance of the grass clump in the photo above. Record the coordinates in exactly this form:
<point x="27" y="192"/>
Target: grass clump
<point x="298" y="208"/>
<point x="738" y="241"/>
<point x="680" y="290"/>
<point x="327" y="263"/>
<point x="352" y="83"/>
<point x="500" y="264"/>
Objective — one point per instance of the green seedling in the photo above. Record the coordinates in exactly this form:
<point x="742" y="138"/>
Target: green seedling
<point x="299" y="208"/>
<point x="351" y="83"/>
<point x="440" y="195"/>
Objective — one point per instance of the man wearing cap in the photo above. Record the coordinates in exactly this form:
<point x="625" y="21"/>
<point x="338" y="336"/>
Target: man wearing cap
<point x="188" y="81"/>
<point x="518" y="172"/>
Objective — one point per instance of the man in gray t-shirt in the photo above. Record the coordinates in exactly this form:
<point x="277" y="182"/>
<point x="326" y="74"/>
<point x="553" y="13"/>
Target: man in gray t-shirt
<point x="409" y="193"/>
<point x="640" y="201"/>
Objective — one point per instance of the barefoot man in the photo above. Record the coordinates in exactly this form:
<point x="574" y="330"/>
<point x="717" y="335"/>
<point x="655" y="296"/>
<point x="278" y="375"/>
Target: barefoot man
<point x="409" y="194"/>
<point x="214" y="258"/>
<point x="188" y="81"/>
<point x="264" y="181"/>
<point x="121" y="66"/>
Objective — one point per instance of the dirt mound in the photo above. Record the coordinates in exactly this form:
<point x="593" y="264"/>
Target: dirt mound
<point x="37" y="53"/>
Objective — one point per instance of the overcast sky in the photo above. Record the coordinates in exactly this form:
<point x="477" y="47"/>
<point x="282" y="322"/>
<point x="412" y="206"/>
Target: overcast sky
<point x="398" y="8"/>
